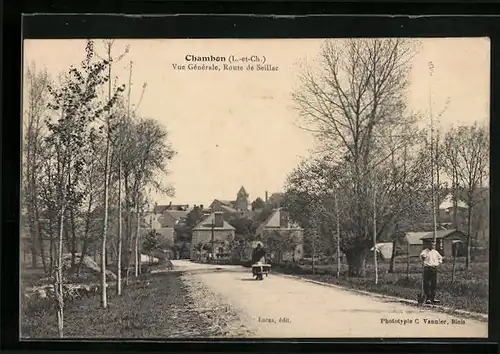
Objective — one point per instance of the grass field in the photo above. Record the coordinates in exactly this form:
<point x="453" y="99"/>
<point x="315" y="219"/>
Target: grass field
<point x="468" y="290"/>
<point x="153" y="306"/>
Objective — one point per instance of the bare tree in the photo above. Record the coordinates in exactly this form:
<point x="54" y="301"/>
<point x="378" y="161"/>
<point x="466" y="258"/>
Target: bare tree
<point x="37" y="83"/>
<point x="355" y="97"/>
<point x="467" y="152"/>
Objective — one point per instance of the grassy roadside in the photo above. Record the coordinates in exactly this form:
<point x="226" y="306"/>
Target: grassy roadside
<point x="154" y="306"/>
<point x="468" y="291"/>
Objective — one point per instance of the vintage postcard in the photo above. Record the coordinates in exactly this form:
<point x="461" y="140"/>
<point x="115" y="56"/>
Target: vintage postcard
<point x="255" y="188"/>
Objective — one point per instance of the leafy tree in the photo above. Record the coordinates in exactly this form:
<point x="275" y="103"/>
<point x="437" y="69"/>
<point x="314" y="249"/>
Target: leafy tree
<point x="258" y="204"/>
<point x="77" y="129"/>
<point x="151" y="242"/>
<point x="264" y="214"/>
<point x="402" y="196"/>
<point x="281" y="242"/>
<point x="245" y="227"/>
<point x="77" y="104"/>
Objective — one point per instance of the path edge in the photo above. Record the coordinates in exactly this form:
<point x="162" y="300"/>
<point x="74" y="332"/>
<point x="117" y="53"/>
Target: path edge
<point x="468" y="314"/>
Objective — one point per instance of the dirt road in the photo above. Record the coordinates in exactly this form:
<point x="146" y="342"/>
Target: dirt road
<point x="283" y="307"/>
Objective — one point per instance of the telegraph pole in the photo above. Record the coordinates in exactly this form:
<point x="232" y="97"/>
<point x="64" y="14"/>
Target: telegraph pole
<point x="431" y="70"/>
<point x="338" y="234"/>
<point x="375" y="230"/>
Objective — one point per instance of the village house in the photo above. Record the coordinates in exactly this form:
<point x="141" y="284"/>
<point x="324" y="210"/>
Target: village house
<point x="448" y="242"/>
<point x="229" y="208"/>
<point x="279" y="224"/>
<point x="212" y="227"/>
<point x="163" y="221"/>
<point x="413" y="243"/>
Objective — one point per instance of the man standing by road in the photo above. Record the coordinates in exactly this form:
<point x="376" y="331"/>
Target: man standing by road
<point x="432" y="260"/>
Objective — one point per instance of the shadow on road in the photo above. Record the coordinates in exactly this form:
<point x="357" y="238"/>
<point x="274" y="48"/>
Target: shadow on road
<point x="247" y="279"/>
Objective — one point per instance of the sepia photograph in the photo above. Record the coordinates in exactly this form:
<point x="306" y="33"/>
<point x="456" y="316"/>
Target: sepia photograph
<point x="255" y="188"/>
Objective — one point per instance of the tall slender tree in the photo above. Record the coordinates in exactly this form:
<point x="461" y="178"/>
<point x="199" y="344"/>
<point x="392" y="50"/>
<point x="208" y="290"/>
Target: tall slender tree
<point x="108" y="124"/>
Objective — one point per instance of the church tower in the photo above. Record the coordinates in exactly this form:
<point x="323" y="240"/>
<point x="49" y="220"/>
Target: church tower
<point x="242" y="200"/>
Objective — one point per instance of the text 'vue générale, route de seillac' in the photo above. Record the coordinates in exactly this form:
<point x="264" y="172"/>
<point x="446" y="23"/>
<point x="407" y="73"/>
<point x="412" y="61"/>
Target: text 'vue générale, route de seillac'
<point x="256" y="63"/>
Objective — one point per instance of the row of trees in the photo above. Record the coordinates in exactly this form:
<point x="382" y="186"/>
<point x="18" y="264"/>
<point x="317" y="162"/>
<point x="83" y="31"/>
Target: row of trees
<point x="383" y="170"/>
<point x="89" y="162"/>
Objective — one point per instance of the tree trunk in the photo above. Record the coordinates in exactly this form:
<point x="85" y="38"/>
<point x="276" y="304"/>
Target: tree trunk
<point x="73" y="239"/>
<point x="104" y="297"/>
<point x="32" y="231"/>
<point x="313" y="263"/>
<point x="455" y="200"/>
<point x="407" y="260"/>
<point x="33" y="252"/>
<point x="454" y="250"/>
<point x="58" y="289"/>
<point x="119" y="260"/>
<point x="469" y="238"/>
<point x="356" y="261"/>
<point x="392" y="265"/>
<point x="127" y="222"/>
<point x="40" y="237"/>
<point x="137" y="256"/>
<point x="85" y="236"/>
<point x="51" y="253"/>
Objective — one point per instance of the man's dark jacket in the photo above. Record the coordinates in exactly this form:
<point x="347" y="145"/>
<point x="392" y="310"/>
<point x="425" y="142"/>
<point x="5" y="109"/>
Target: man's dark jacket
<point x="257" y="254"/>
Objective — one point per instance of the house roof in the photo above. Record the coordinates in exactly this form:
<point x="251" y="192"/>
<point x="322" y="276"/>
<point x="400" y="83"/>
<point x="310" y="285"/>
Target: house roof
<point x="273" y="221"/>
<point x="226" y="205"/>
<point x="415" y="238"/>
<point x="225" y="202"/>
<point x="160" y="209"/>
<point x="228" y="209"/>
<point x="448" y="203"/>
<point x="242" y="191"/>
<point x="206" y="224"/>
<point x="178" y="214"/>
<point x="439" y="234"/>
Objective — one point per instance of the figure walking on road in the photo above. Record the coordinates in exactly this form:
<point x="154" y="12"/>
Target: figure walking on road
<point x="432" y="259"/>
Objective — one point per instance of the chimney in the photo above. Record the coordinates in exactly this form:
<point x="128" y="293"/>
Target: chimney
<point x="283" y="219"/>
<point x="266" y="197"/>
<point x="201" y="206"/>
<point x="218" y="219"/>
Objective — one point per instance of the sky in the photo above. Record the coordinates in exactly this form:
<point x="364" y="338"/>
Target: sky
<point x="239" y="128"/>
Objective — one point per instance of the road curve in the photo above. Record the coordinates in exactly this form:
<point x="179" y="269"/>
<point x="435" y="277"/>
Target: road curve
<point x="282" y="307"/>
